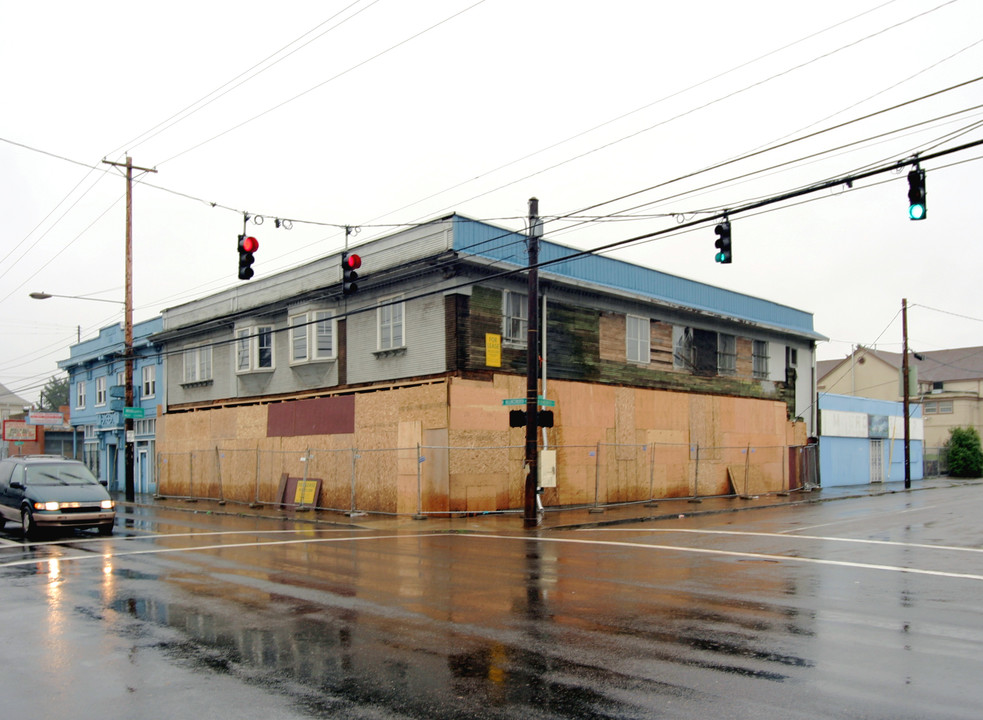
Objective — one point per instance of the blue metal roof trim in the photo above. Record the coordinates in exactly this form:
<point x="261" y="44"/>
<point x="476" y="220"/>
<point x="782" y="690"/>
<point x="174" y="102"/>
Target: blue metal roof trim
<point x="110" y="341"/>
<point x="488" y="241"/>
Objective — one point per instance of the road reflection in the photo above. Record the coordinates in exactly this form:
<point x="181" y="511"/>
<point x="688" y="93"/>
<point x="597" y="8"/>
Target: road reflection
<point x="425" y="622"/>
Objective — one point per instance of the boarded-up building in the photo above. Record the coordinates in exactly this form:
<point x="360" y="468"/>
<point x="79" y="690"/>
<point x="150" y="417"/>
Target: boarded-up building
<point x="392" y="397"/>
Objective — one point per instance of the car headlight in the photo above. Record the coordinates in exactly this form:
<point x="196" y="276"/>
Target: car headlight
<point x="49" y="506"/>
<point x="108" y="504"/>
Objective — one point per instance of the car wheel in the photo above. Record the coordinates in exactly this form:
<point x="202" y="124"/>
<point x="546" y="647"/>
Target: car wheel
<point x="106" y="529"/>
<point x="29" y="528"/>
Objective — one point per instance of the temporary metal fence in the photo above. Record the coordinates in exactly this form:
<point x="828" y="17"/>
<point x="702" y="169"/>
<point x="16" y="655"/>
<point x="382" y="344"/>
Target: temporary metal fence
<point x="442" y="480"/>
<point x="935" y="461"/>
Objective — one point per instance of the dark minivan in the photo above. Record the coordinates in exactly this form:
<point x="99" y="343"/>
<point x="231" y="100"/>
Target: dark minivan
<point x="49" y="491"/>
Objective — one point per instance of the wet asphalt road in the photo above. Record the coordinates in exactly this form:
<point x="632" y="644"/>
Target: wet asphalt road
<point x="859" y="608"/>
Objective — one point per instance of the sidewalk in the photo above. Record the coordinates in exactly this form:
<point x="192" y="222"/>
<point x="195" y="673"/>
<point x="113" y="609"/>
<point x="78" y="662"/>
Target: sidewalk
<point x="563" y="519"/>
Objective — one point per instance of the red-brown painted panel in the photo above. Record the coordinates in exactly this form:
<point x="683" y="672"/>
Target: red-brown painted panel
<point x="320" y="416"/>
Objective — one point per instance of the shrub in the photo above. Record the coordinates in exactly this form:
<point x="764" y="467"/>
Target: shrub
<point x="965" y="453"/>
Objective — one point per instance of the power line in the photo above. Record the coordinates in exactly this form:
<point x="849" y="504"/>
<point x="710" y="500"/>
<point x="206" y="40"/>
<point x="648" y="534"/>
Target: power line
<point x="331" y="79"/>
<point x="704" y="106"/>
<point x="217" y="93"/>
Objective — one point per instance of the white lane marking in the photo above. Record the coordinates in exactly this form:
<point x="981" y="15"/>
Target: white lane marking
<point x="783" y="535"/>
<point x="607" y="543"/>
<point x="867" y="517"/>
<point x="731" y="553"/>
<point x="154" y="535"/>
<point x="231" y="546"/>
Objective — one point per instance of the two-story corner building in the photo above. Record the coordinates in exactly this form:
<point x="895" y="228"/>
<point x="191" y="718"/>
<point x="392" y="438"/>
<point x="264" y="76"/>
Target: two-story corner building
<point x="96" y="371"/>
<point x="393" y="396"/>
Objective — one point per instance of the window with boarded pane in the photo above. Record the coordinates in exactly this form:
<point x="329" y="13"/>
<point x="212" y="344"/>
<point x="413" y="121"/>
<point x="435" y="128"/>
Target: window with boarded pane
<point x="515" y="314"/>
<point x="637" y="339"/>
<point x="726" y="354"/>
<point x="759" y="358"/>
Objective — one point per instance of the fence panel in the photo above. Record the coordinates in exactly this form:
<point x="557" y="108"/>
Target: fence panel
<point x="442" y="479"/>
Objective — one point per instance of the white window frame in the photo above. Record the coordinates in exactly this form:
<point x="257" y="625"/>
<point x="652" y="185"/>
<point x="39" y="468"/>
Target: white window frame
<point x="324" y="325"/>
<point x="100" y="391"/>
<point x="249" y="349"/>
<point x="391" y="324"/>
<point x="638" y="339"/>
<point x="515" y="318"/>
<point x="149" y="381"/>
<point x="80" y="395"/>
<point x="759" y="358"/>
<point x="197" y="364"/>
<point x="683" y="352"/>
<point x="726" y="354"/>
<point x="300" y="339"/>
<point x="312" y="330"/>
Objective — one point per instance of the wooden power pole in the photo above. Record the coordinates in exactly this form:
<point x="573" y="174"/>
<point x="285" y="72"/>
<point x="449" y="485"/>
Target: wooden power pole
<point x="128" y="328"/>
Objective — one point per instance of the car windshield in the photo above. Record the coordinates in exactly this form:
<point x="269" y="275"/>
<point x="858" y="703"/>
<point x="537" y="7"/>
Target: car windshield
<point x="60" y="474"/>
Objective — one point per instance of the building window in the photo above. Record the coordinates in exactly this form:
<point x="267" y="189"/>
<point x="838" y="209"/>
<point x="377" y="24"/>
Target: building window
<point x="683" y="357"/>
<point x="198" y="364"/>
<point x="147" y="426"/>
<point x="390" y="316"/>
<point x="759" y="359"/>
<point x="264" y="347"/>
<point x="726" y="354"/>
<point x="80" y="395"/>
<point x="299" y="330"/>
<point x="945" y="407"/>
<point x="515" y="317"/>
<point x="100" y="391"/>
<point x="312" y="336"/>
<point x="638" y="343"/>
<point x="254" y="348"/>
<point x="149" y="381"/>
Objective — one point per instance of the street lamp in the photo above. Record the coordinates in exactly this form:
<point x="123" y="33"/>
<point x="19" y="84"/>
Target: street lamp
<point x="128" y="370"/>
<point x="45" y="296"/>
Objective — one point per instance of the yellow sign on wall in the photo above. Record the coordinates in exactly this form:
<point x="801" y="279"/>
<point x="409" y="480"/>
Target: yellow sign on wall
<point x="306" y="492"/>
<point x="493" y="350"/>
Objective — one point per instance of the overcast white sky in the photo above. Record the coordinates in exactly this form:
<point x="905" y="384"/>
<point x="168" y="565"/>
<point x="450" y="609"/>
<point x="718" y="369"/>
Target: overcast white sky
<point x="378" y="112"/>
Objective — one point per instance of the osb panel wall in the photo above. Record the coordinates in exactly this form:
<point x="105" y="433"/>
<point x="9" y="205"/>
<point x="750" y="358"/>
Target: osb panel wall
<point x="225" y="452"/>
<point x="614" y="443"/>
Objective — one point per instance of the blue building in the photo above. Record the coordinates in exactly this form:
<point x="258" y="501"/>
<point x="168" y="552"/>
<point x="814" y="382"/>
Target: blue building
<point x="861" y="440"/>
<point x="96" y="371"/>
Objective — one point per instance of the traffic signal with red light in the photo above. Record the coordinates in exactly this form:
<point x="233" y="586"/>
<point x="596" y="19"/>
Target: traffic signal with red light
<point x="349" y="271"/>
<point x="917" y="207"/>
<point x="724" y="254"/>
<point x="247" y="246"/>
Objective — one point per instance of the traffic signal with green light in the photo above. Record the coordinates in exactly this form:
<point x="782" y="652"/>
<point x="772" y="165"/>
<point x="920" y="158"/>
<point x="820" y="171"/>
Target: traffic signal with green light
<point x="724" y="254"/>
<point x="917" y="207"/>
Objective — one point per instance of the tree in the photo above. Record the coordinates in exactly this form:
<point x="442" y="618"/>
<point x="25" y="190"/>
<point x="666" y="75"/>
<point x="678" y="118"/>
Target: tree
<point x="55" y="393"/>
<point x="965" y="453"/>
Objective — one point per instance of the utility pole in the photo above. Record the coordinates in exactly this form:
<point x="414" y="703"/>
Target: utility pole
<point x="531" y="515"/>
<point x="906" y="404"/>
<point x="128" y="327"/>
